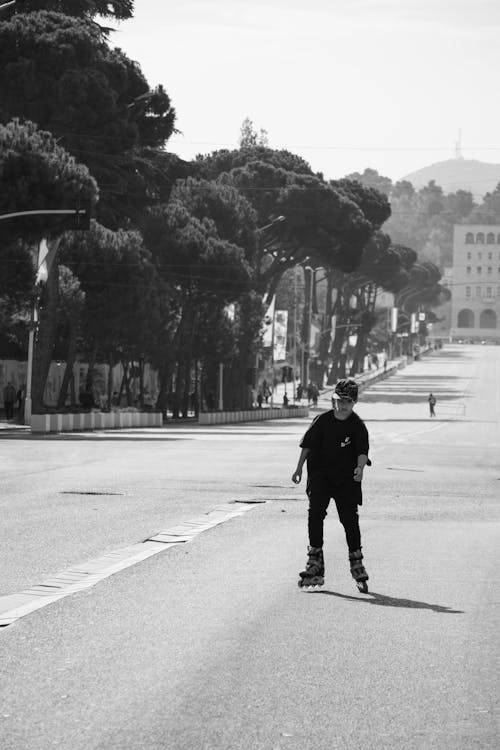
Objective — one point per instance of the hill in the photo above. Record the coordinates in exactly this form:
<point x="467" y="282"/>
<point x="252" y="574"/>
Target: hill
<point x="478" y="177"/>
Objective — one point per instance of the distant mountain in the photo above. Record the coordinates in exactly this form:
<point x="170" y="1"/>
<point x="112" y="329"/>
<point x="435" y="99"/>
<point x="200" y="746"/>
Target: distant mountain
<point x="458" y="174"/>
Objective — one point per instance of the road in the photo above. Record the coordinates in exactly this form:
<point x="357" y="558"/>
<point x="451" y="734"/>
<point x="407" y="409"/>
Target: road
<point x="210" y="644"/>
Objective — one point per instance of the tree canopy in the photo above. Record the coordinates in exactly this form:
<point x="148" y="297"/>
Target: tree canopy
<point x="59" y="72"/>
<point x="119" y="9"/>
<point x="40" y="174"/>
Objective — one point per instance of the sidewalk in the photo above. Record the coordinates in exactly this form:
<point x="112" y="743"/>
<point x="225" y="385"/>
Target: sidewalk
<point x="4" y="425"/>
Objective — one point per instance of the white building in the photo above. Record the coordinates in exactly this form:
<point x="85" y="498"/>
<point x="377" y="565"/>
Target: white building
<point x="475" y="302"/>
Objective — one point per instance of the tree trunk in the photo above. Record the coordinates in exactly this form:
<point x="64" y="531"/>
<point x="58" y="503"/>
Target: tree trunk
<point x="326" y="336"/>
<point x="141" y="383"/>
<point x="124" y="380"/>
<point x="161" y="401"/>
<point x="306" y="320"/>
<point x="70" y="361"/>
<point x="359" y="354"/>
<point x="165" y="374"/>
<point x="72" y="390"/>
<point x="340" y="333"/>
<point x="89" y="400"/>
<point x="110" y="378"/>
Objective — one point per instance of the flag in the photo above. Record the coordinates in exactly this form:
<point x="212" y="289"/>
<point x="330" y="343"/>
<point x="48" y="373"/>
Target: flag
<point x="394" y="319"/>
<point x="267" y="324"/>
<point x="280" y="333"/>
<point x="46" y="257"/>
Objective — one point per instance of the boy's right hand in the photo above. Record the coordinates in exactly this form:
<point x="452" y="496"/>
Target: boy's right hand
<point x="297" y="476"/>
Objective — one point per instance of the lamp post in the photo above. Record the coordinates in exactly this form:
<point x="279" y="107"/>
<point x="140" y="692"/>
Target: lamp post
<point x="402" y="298"/>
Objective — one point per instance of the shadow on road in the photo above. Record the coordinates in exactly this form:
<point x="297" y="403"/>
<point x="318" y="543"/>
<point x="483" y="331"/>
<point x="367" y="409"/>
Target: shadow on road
<point x="383" y="600"/>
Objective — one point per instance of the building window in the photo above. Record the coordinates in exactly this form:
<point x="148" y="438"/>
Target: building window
<point x="479" y="238"/>
<point x="478" y="292"/>
<point x="465" y="319"/>
<point x="488" y="319"/>
<point x="490" y="238"/>
<point x="467" y="291"/>
<point x="469" y="256"/>
<point x="468" y="269"/>
<point x="479" y="256"/>
<point x="469" y="238"/>
<point x="488" y="292"/>
<point x="490" y="270"/>
<point x="479" y="270"/>
<point x="490" y="256"/>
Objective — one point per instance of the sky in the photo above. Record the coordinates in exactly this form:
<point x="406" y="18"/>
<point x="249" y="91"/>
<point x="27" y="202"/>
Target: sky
<point x="351" y="84"/>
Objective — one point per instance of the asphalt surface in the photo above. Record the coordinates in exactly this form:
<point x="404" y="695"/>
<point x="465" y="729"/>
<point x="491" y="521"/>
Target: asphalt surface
<point x="211" y="644"/>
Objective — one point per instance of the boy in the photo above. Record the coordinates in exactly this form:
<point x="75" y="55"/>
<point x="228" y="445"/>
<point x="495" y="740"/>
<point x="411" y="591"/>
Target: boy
<point x="336" y="448"/>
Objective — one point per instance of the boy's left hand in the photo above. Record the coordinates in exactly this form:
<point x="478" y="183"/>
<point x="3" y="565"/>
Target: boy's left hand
<point x="358" y="473"/>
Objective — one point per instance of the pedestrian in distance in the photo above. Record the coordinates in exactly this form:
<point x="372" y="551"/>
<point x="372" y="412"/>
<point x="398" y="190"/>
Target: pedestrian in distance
<point x="432" y="404"/>
<point x="260" y="398"/>
<point x="336" y="450"/>
<point x="315" y="394"/>
<point x="9" y="399"/>
<point x="300" y="391"/>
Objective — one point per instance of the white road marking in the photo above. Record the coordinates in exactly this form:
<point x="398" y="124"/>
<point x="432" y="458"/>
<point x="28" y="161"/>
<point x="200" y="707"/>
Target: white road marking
<point x="85" y="575"/>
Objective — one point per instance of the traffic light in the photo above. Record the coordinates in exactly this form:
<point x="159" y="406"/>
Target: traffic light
<point x="78" y="221"/>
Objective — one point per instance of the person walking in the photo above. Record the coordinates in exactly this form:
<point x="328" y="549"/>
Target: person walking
<point x="9" y="399"/>
<point x="432" y="404"/>
<point x="336" y="450"/>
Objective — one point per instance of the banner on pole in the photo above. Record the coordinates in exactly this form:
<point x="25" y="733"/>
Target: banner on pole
<point x="314" y="338"/>
<point x="280" y="333"/>
<point x="333" y="325"/>
<point x="394" y="319"/>
<point x="267" y="325"/>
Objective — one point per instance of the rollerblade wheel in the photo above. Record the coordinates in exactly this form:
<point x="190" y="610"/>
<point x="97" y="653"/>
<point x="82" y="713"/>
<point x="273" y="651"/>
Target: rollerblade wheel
<point x="362" y="586"/>
<point x="314" y="585"/>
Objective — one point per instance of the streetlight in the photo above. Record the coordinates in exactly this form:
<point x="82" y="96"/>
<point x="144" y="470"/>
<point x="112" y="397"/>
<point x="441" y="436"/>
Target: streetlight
<point x="401" y="300"/>
<point x="275" y="221"/>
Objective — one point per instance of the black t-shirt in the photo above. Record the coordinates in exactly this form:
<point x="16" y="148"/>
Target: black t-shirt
<point x="335" y="445"/>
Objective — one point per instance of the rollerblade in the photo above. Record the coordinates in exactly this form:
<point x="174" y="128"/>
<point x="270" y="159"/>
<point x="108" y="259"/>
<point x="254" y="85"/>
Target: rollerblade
<point x="313" y="577"/>
<point x="358" y="571"/>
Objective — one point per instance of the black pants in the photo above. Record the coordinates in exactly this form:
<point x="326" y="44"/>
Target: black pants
<point x="9" y="409"/>
<point x="347" y="496"/>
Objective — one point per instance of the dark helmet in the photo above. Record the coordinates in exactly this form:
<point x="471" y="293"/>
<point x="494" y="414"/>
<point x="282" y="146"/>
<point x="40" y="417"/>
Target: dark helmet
<point x="347" y="388"/>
